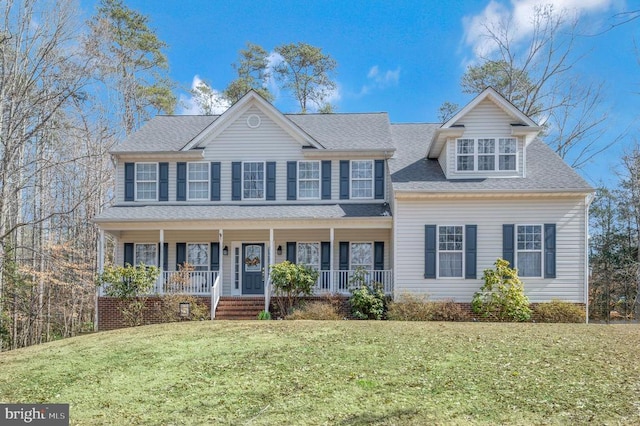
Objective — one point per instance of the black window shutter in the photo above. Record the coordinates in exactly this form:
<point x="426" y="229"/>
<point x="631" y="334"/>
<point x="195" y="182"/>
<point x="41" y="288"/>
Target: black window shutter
<point x="292" y="180"/>
<point x="379" y="179"/>
<point x="271" y="180"/>
<point x="326" y="179"/>
<point x="181" y="254"/>
<point x="236" y="180"/>
<point x="344" y="179"/>
<point x="181" y="181"/>
<point x="344" y="256"/>
<point x="163" y="182"/>
<point x="430" y="251"/>
<point x="550" y="250"/>
<point x="325" y="255"/>
<point x="378" y="255"/>
<point x="471" y="252"/>
<point x="291" y="252"/>
<point x="214" y="255"/>
<point x="508" y="244"/>
<point x="165" y="261"/>
<point x="128" y="254"/>
<point x="215" y="181"/>
<point x="129" y="181"/>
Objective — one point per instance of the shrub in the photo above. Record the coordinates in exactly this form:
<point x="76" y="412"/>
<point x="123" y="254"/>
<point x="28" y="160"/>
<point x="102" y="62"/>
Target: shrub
<point x="558" y="311"/>
<point x="291" y="282"/>
<point x="502" y="297"/>
<point x="315" y="311"/>
<point x="419" y="308"/>
<point x="170" y="308"/>
<point x="264" y="315"/>
<point x="368" y="301"/>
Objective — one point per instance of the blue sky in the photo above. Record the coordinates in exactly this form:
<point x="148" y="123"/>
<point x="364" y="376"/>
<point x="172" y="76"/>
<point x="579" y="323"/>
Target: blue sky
<point x="402" y="57"/>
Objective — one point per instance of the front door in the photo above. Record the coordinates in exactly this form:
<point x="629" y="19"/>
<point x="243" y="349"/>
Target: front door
<point x="253" y="268"/>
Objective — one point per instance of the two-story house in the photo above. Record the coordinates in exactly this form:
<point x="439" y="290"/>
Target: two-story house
<point x="423" y="207"/>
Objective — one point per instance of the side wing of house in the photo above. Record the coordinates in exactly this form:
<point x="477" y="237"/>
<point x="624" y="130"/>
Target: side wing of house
<point x="487" y="189"/>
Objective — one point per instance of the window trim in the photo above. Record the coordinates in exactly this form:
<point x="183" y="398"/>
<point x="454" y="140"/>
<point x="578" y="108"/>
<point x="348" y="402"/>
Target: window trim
<point x="264" y="181"/>
<point x="461" y="251"/>
<point x="208" y="181"/>
<point x="156" y="181"/>
<point x="207" y="265"/>
<point x="516" y="250"/>
<point x="496" y="155"/>
<point x="319" y="265"/>
<point x="299" y="179"/>
<point x="373" y="260"/>
<point x="371" y="180"/>
<point x="135" y="253"/>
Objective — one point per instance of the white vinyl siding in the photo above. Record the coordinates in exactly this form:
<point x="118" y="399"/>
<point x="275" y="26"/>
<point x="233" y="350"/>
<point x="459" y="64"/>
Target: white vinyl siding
<point x="490" y="215"/>
<point x="309" y="180"/>
<point x="197" y="181"/>
<point x="146" y="181"/>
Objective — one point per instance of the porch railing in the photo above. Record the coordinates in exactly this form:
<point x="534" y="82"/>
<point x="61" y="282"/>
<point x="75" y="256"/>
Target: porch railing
<point x="342" y="282"/>
<point x="190" y="282"/>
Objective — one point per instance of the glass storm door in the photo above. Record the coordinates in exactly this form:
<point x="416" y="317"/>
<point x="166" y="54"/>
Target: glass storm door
<point x="253" y="268"/>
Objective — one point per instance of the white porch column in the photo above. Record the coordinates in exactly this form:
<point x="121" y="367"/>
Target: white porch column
<point x="99" y="291"/>
<point x="332" y="273"/>
<point x="160" y="280"/>
<point x="220" y="257"/>
<point x="272" y="260"/>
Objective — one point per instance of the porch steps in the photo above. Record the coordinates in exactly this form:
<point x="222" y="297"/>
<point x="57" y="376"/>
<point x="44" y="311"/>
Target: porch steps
<point x="239" y="308"/>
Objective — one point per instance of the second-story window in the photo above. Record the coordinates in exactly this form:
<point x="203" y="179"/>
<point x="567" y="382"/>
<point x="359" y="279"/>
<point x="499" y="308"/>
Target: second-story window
<point x="309" y="179"/>
<point x="146" y="181"/>
<point x="253" y="180"/>
<point x="362" y="179"/>
<point x="198" y="181"/>
<point x="486" y="154"/>
<point x="508" y="148"/>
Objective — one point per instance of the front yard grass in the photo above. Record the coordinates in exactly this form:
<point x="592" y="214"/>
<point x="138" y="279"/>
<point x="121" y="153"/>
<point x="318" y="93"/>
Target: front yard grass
<point x="343" y="372"/>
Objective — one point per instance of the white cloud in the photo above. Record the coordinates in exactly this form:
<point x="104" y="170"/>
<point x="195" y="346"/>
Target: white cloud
<point x="188" y="105"/>
<point x="378" y="79"/>
<point x="518" y="13"/>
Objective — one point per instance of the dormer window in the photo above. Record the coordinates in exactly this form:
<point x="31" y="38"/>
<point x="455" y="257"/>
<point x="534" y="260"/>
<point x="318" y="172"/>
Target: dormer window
<point x="486" y="154"/>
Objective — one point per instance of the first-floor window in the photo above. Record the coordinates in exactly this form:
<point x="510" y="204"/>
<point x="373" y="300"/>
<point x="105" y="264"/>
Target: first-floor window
<point x="529" y="250"/>
<point x="253" y="180"/>
<point x="146" y="253"/>
<point x="362" y="256"/>
<point x="198" y="256"/>
<point x="308" y="254"/>
<point x="450" y="251"/>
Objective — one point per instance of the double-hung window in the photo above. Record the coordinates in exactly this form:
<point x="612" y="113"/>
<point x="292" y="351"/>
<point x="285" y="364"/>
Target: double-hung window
<point x="146" y="181"/>
<point x="362" y="179"/>
<point x="450" y="251"/>
<point x="309" y="179"/>
<point x="146" y="253"/>
<point x="197" y="181"/>
<point x="198" y="256"/>
<point x="253" y="180"/>
<point x="486" y="154"/>
<point x="529" y="250"/>
<point x="362" y="256"/>
<point x="308" y="254"/>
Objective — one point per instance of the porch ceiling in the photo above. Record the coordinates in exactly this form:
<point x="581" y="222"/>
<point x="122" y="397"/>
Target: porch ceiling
<point x="245" y="216"/>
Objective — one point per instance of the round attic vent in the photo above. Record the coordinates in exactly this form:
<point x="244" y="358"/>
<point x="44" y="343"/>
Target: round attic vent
<point x="253" y="121"/>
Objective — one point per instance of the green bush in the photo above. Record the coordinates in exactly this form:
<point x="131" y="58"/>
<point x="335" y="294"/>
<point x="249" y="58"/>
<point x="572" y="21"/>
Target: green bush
<point x="291" y="282"/>
<point x="558" y="311"/>
<point x="502" y="297"/>
<point x="367" y="300"/>
<point x="264" y="315"/>
<point x="419" y="308"/>
<point x="315" y="311"/>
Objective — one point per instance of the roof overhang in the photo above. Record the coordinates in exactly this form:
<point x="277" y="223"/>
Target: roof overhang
<point x="423" y="195"/>
<point x="440" y="138"/>
<point x="351" y="153"/>
<point x="195" y="154"/>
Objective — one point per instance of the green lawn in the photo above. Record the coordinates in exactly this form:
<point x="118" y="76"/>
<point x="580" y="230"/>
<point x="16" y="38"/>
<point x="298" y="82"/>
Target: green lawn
<point x="347" y="372"/>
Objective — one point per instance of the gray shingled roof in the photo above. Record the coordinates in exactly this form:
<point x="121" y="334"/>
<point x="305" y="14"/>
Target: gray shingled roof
<point x="186" y="213"/>
<point x="166" y="133"/>
<point x="412" y="171"/>
<point x="347" y="131"/>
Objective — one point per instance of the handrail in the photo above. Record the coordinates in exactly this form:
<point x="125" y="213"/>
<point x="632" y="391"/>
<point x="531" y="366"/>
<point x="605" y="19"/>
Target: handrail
<point x="215" y="296"/>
